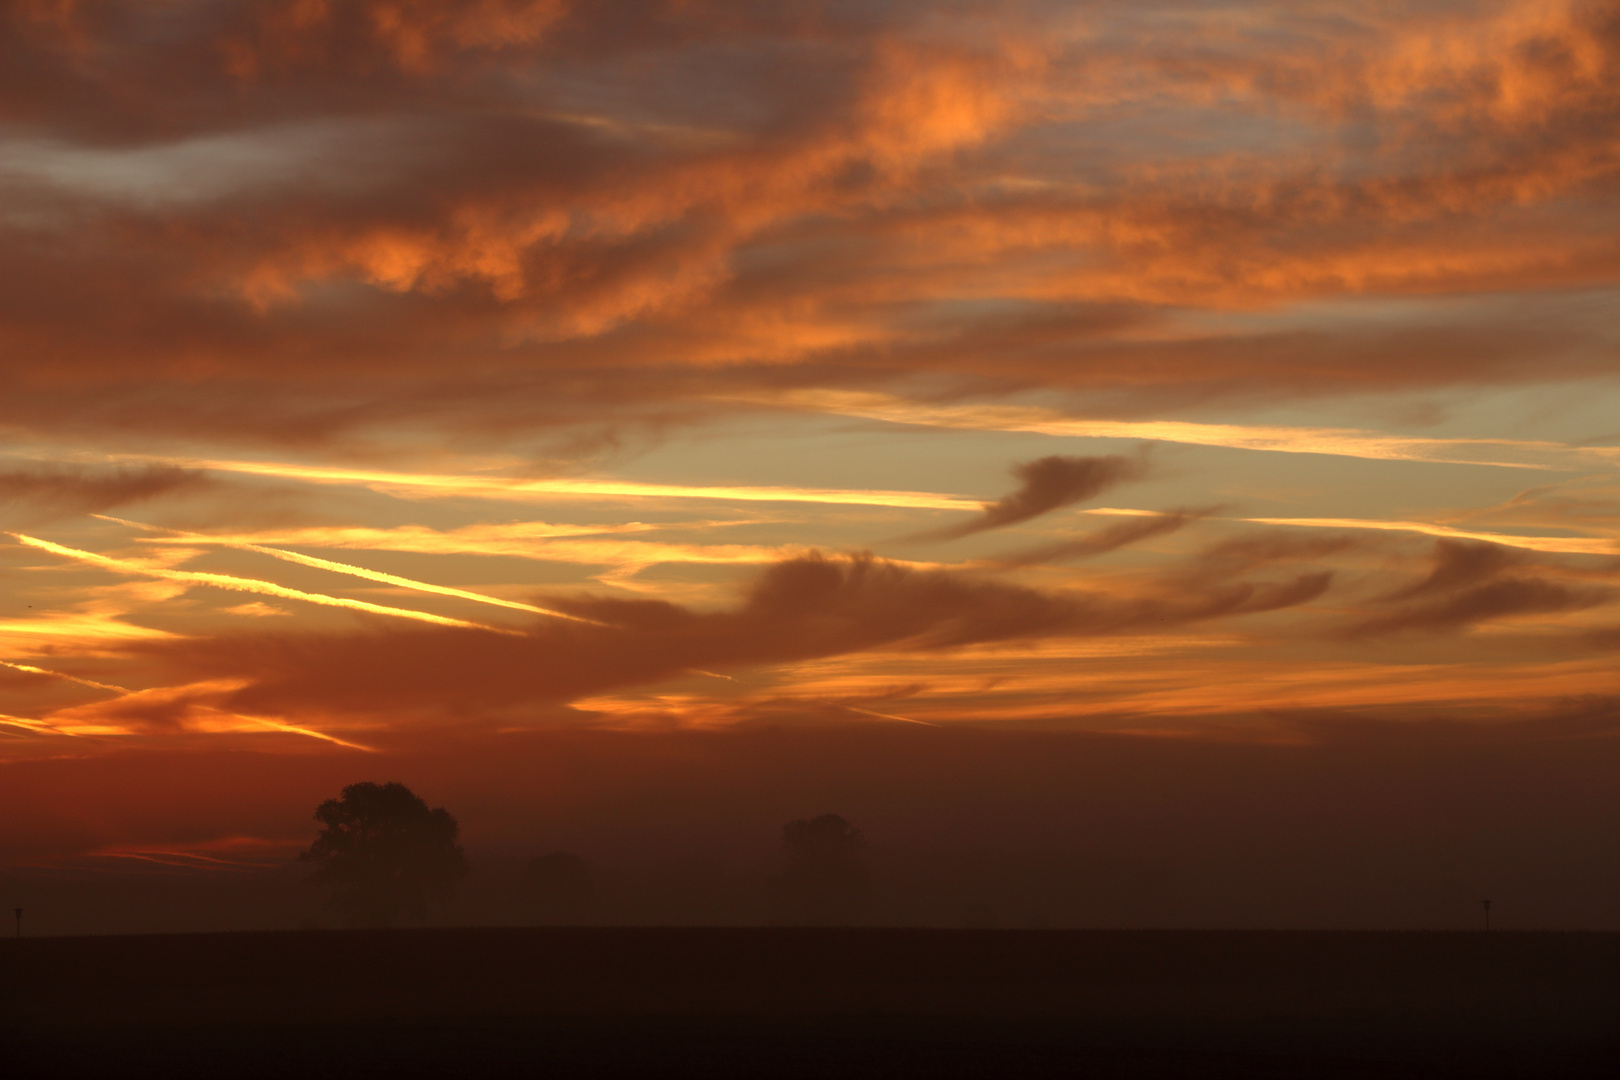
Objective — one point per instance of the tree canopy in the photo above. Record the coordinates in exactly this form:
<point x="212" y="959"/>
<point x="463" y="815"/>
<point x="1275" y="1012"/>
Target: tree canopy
<point x="386" y="855"/>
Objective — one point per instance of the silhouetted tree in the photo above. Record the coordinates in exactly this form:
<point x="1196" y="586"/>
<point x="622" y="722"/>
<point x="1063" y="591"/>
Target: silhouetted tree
<point x="386" y="855"/>
<point x="824" y="881"/>
<point x="556" y="889"/>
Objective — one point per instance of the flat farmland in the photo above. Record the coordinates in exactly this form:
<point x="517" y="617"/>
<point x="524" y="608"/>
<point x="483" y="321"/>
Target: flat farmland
<point x="746" y="1002"/>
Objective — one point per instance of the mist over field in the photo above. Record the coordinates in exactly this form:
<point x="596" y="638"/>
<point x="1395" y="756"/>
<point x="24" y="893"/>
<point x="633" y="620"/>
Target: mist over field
<point x="1359" y="828"/>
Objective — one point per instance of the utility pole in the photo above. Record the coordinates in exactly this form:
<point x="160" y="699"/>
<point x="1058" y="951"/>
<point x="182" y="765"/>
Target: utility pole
<point x="1487" y="904"/>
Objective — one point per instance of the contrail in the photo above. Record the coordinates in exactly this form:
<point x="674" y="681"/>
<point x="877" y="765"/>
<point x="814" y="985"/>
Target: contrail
<point x="34" y="725"/>
<point x="1566" y="545"/>
<point x="250" y="585"/>
<point x="1562" y="545"/>
<point x="63" y="675"/>
<point x="311" y="732"/>
<point x="879" y="715"/>
<point x="516" y="488"/>
<point x="356" y="571"/>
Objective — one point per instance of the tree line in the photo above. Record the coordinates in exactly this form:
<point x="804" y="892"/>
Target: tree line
<point x="386" y="858"/>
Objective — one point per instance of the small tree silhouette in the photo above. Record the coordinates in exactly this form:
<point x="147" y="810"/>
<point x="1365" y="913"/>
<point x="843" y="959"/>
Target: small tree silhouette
<point x="386" y="855"/>
<point x="824" y="881"/>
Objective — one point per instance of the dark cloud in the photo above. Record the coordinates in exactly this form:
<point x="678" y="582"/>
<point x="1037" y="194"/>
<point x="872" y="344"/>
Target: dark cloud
<point x="1105" y="540"/>
<point x="1497" y="599"/>
<point x="1267" y="547"/>
<point x="1248" y="598"/>
<point x="1472" y="583"/>
<point x="1048" y="484"/>
<point x="1459" y="563"/>
<point x="797" y="610"/>
<point x="84" y="490"/>
<point x="1211" y="580"/>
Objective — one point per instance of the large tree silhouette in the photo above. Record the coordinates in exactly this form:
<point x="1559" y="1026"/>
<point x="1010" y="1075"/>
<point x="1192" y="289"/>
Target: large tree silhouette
<point x="385" y="854"/>
<point x="824" y="880"/>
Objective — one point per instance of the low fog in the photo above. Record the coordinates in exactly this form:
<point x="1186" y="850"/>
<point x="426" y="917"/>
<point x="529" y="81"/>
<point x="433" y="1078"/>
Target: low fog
<point x="1334" y="824"/>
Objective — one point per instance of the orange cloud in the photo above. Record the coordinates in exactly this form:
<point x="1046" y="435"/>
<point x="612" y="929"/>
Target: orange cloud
<point x="410" y="34"/>
<point x="505" y="182"/>
<point x="796" y="610"/>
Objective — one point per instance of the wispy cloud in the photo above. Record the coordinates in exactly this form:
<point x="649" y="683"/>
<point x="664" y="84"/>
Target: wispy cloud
<point x="73" y="632"/>
<point x="1339" y="442"/>
<point x="1557" y="545"/>
<point x="1047" y="484"/>
<point x="1562" y="545"/>
<point x="59" y="489"/>
<point x="484" y="538"/>
<point x="955" y="689"/>
<point x="35" y="727"/>
<point x="194" y="708"/>
<point x="1104" y="540"/>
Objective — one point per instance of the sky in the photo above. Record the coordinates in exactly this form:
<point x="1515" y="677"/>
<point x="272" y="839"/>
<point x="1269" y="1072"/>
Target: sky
<point x="627" y="422"/>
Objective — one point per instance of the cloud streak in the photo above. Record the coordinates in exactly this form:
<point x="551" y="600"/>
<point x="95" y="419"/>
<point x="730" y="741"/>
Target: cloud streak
<point x="598" y="547"/>
<point x="1338" y="442"/>
<point x="62" y="489"/>
<point x="1112" y="538"/>
<point x="1566" y="545"/>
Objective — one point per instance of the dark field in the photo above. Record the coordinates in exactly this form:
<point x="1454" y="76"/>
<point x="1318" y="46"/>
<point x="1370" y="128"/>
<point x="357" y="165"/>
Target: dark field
<point x="803" y="1003"/>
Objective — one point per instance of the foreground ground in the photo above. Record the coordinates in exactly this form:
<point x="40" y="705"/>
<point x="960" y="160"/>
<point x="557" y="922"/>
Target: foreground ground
<point x="807" y="1003"/>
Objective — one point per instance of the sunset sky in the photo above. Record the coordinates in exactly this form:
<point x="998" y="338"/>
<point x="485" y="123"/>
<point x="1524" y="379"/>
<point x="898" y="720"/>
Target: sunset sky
<point x="404" y="389"/>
